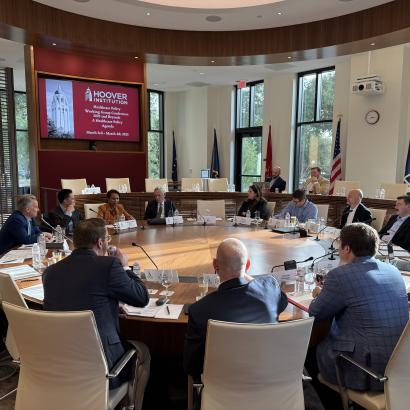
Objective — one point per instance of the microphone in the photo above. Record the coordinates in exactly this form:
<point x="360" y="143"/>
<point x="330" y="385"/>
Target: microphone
<point x="283" y="264"/>
<point x="93" y="210"/>
<point x="54" y="229"/>
<point x="317" y="236"/>
<point x="320" y="257"/>
<point x="149" y="257"/>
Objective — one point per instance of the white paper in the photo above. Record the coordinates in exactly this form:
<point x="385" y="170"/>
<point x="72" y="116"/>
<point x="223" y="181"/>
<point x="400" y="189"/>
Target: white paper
<point x="406" y="280"/>
<point x="153" y="275"/>
<point x="174" y="312"/>
<point x="242" y="220"/>
<point x="170" y="220"/>
<point x="285" y="275"/>
<point x="20" y="272"/>
<point x="152" y="291"/>
<point x="122" y="225"/>
<point x="16" y="254"/>
<point x="166" y="293"/>
<point x="209" y="220"/>
<point x="35" y="292"/>
<point x="148" y="311"/>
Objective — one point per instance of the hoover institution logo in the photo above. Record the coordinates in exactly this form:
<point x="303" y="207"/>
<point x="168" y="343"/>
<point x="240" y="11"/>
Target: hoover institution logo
<point x="105" y="97"/>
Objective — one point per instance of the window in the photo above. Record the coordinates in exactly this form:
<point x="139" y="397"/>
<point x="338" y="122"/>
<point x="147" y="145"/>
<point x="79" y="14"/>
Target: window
<point x="248" y="139"/>
<point x="314" y="119"/>
<point x="23" y="160"/>
<point x="155" y="134"/>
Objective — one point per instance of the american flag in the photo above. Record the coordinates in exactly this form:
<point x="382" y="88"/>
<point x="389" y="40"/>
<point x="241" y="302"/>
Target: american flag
<point x="336" y="172"/>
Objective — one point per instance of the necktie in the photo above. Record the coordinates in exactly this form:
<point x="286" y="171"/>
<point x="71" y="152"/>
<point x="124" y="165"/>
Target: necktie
<point x="28" y="228"/>
<point x="159" y="213"/>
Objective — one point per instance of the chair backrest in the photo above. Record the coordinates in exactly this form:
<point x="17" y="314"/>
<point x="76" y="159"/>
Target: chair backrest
<point x="380" y="215"/>
<point x="257" y="366"/>
<point x="88" y="213"/>
<point x="10" y="293"/>
<point x="116" y="183"/>
<point x="392" y="191"/>
<point x="62" y="361"/>
<point x="186" y="184"/>
<point x="323" y="210"/>
<point x="347" y="185"/>
<point x="76" y="185"/>
<point x="271" y="207"/>
<point x="214" y="208"/>
<point x="398" y="373"/>
<point x="151" y="184"/>
<point x="218" y="185"/>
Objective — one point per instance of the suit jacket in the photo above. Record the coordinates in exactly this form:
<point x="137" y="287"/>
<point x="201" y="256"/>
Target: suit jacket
<point x="362" y="214"/>
<point x="402" y="236"/>
<point x="58" y="217"/>
<point x="279" y="183"/>
<point x="85" y="281"/>
<point x="367" y="301"/>
<point x="236" y="300"/>
<point x="151" y="209"/>
<point x="14" y="232"/>
<point x="262" y="207"/>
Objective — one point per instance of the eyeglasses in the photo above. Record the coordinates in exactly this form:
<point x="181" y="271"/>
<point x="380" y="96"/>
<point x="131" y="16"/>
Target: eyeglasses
<point x="107" y="238"/>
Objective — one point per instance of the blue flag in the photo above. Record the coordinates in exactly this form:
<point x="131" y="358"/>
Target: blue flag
<point x="215" y="167"/>
<point x="174" y="160"/>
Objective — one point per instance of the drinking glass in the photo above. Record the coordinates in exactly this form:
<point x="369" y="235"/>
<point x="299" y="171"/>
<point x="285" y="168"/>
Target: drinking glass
<point x="203" y="284"/>
<point x="165" y="278"/>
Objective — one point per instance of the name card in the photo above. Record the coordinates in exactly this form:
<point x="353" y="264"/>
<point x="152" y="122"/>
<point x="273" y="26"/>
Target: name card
<point x="154" y="275"/>
<point x="243" y="220"/>
<point x="285" y="275"/>
<point x="208" y="219"/>
<point x="122" y="225"/>
<point x="93" y="190"/>
<point x="171" y="220"/>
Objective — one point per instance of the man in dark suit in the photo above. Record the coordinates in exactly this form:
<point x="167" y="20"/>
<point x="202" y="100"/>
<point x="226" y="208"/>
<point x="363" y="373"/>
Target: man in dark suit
<point x="355" y="210"/>
<point x="90" y="280"/>
<point x="20" y="227"/>
<point x="367" y="302"/>
<point x="277" y="182"/>
<point x="239" y="298"/>
<point x="65" y="214"/>
<point x="159" y="208"/>
<point x="397" y="229"/>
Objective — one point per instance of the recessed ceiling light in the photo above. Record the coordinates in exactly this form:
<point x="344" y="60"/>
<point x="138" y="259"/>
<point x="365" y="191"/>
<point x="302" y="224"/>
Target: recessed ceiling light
<point x="156" y="84"/>
<point x="213" y="19"/>
<point x="213" y="61"/>
<point x="289" y="57"/>
<point x="279" y="13"/>
<point x="372" y="44"/>
<point x="53" y="44"/>
<point x="201" y="73"/>
<point x="148" y="13"/>
<point x="136" y="57"/>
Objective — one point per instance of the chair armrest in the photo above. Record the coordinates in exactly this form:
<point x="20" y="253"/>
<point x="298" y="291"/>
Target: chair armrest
<point x="365" y="369"/>
<point x="115" y="371"/>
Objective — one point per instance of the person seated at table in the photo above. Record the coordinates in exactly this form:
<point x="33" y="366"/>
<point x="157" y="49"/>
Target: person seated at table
<point x="397" y="229"/>
<point x="88" y="279"/>
<point x="367" y="303"/>
<point x="355" y="210"/>
<point x="316" y="184"/>
<point x="254" y="203"/>
<point x="159" y="207"/>
<point x="65" y="214"/>
<point x="113" y="211"/>
<point x="300" y="207"/>
<point x="239" y="298"/>
<point x="20" y="227"/>
<point x="277" y="182"/>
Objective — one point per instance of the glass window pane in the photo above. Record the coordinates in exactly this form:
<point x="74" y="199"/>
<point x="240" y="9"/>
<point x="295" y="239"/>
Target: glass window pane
<point x="307" y="90"/>
<point x="315" y="149"/>
<point x="326" y="83"/>
<point x="243" y="112"/>
<point x="21" y="110"/>
<point x="257" y="105"/>
<point x="154" y="111"/>
<point x="23" y="161"/>
<point x="248" y="180"/>
<point x="251" y="155"/>
<point x="154" y="155"/>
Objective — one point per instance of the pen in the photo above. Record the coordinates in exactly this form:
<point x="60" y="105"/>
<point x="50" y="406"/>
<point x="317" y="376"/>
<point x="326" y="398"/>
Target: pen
<point x="168" y="310"/>
<point x="28" y="280"/>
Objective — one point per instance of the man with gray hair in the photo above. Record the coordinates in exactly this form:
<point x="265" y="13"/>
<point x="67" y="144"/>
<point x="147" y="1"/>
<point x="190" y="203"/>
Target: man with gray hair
<point x="355" y="210"/>
<point x="159" y="208"/>
<point x="277" y="183"/>
<point x="240" y="298"/>
<point x="20" y="227"/>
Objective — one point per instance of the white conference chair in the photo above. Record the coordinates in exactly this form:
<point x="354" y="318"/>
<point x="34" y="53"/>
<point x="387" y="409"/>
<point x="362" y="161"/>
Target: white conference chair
<point x="254" y="366"/>
<point x="392" y="191"/>
<point x="213" y="208"/>
<point x="380" y="215"/>
<point x="76" y="185"/>
<point x="323" y="210"/>
<point x="396" y="380"/>
<point x="186" y="184"/>
<point x="151" y="184"/>
<point x="347" y="185"/>
<point x="218" y="185"/>
<point x="271" y="208"/>
<point x="66" y="350"/>
<point x="116" y="183"/>
<point x="91" y="210"/>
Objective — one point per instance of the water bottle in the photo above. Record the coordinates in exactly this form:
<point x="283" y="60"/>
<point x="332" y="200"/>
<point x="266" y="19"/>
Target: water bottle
<point x="122" y="218"/>
<point x="136" y="269"/>
<point x="382" y="193"/>
<point x="287" y="220"/>
<point x="248" y="215"/>
<point x="59" y="234"/>
<point x="36" y="256"/>
<point x="176" y="213"/>
<point x="41" y="240"/>
<point x="321" y="223"/>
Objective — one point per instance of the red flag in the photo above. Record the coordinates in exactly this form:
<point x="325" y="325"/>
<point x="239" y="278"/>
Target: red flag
<point x="268" y="165"/>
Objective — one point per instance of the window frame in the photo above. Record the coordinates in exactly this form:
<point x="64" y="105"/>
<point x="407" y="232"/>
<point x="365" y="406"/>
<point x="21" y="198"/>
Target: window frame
<point x="316" y="117"/>
<point x="159" y="131"/>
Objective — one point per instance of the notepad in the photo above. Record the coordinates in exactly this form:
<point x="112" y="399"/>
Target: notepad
<point x="35" y="292"/>
<point x="152" y="310"/>
<point x="20" y="272"/>
<point x="301" y="301"/>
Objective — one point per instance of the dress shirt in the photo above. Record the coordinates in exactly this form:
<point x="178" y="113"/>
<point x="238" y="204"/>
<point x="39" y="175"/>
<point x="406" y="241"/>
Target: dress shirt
<point x="163" y="209"/>
<point x="302" y="213"/>
<point x="351" y="215"/>
<point x="396" y="226"/>
<point x="70" y="226"/>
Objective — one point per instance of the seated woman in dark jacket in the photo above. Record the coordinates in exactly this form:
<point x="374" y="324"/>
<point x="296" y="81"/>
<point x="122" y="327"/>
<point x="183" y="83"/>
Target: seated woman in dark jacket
<point x="255" y="202"/>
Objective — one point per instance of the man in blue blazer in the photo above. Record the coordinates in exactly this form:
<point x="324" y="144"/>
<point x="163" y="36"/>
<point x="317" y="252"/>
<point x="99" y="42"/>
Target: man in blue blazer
<point x="239" y="298"/>
<point x="367" y="303"/>
<point x="20" y="227"/>
<point x="89" y="280"/>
